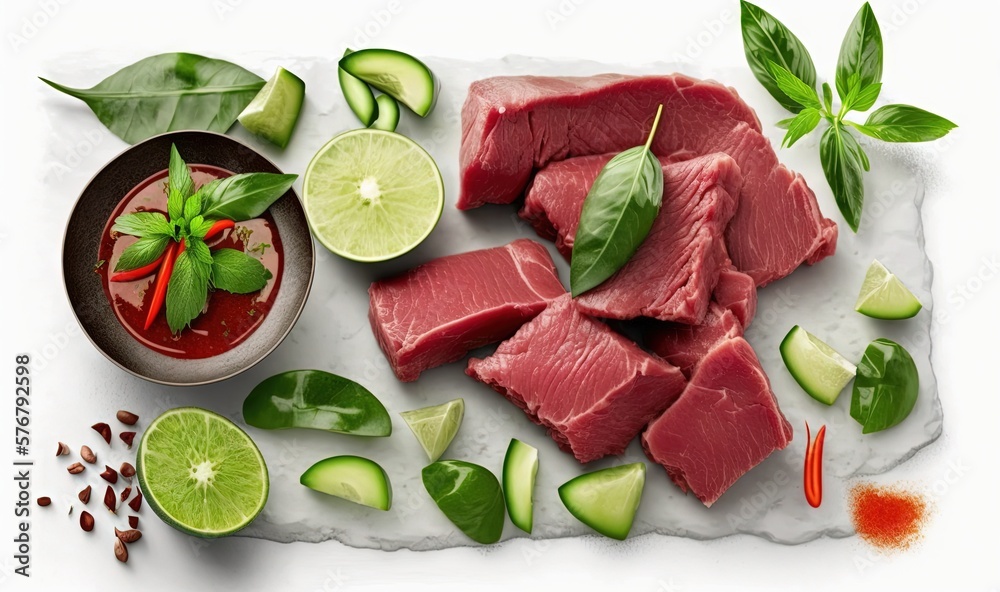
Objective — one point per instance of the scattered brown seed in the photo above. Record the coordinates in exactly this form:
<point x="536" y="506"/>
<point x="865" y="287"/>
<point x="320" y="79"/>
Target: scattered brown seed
<point x="127" y="470"/>
<point x="125" y="493"/>
<point x="121" y="553"/>
<point x="85" y="494"/>
<point x="127" y="438"/>
<point x="76" y="468"/>
<point x="111" y="500"/>
<point x="110" y="475"/>
<point x="128" y="536"/>
<point x="133" y="521"/>
<point x="127" y="417"/>
<point x="88" y="455"/>
<point x="104" y="430"/>
<point x="62" y="450"/>
<point x="136" y="502"/>
<point x="44" y="501"/>
<point x="86" y="521"/>
<point x="70" y="513"/>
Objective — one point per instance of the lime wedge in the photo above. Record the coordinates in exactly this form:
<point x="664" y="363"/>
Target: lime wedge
<point x="200" y="473"/>
<point x="817" y="367"/>
<point x="273" y="112"/>
<point x="435" y="427"/>
<point x="371" y="195"/>
<point x="883" y="296"/>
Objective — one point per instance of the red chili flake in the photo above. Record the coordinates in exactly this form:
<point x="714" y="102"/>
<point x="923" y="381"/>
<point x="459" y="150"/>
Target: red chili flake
<point x="888" y="517"/>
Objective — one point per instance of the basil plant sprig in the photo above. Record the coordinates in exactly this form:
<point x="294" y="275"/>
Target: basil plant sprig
<point x="781" y="63"/>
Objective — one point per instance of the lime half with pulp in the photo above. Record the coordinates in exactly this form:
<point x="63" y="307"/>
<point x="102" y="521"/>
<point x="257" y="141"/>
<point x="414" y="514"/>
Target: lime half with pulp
<point x="883" y="296"/>
<point x="371" y="195"/>
<point x="435" y="427"/>
<point x="200" y="473"/>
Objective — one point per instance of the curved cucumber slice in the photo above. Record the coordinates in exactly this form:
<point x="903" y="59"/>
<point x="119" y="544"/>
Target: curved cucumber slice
<point x="519" y="469"/>
<point x="606" y="500"/>
<point x="399" y="75"/>
<point x="817" y="367"/>
<point x="273" y="112"/>
<point x="360" y="97"/>
<point x="388" y="114"/>
<point x="352" y="478"/>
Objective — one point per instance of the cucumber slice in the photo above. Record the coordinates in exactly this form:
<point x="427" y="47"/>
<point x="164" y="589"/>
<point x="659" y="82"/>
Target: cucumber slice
<point x="359" y="95"/>
<point x="817" y="367"/>
<point x="606" y="500"/>
<point x="399" y="75"/>
<point x="272" y="114"/>
<point x="519" y="469"/>
<point x="388" y="114"/>
<point x="352" y="478"/>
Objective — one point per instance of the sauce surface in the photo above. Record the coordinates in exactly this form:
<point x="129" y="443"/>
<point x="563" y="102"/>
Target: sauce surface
<point x="228" y="319"/>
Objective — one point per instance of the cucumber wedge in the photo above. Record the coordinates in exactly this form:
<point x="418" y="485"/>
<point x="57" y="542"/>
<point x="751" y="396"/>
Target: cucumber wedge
<point x="399" y="75"/>
<point x="272" y="114"/>
<point x="817" y="367"/>
<point x="606" y="500"/>
<point x="352" y="478"/>
<point x="359" y="96"/>
<point x="519" y="469"/>
<point x="388" y="114"/>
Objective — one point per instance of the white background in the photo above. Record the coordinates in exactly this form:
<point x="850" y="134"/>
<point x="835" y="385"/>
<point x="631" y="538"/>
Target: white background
<point x="943" y="56"/>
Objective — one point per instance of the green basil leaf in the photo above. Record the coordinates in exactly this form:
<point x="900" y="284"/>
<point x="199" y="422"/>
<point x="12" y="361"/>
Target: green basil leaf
<point x="192" y="206"/>
<point x="904" y="123"/>
<point x="766" y="39"/>
<point x="860" y="52"/>
<point x="187" y="291"/>
<point x="864" y="98"/>
<point x="805" y="122"/>
<point x="175" y="205"/>
<point x="167" y="92"/>
<point x="142" y="252"/>
<point x="179" y="175"/>
<point x="469" y="495"/>
<point x="827" y="97"/>
<point x="199" y="251"/>
<point x="784" y="123"/>
<point x="143" y="224"/>
<point x="235" y="271"/>
<point x="794" y="88"/>
<point x="839" y="153"/>
<point x="885" y="388"/>
<point x="617" y="214"/>
<point x="245" y="196"/>
<point x="316" y="400"/>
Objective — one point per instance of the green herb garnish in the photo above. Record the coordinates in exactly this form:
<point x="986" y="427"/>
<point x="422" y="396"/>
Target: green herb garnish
<point x="175" y="246"/>
<point x="781" y="63"/>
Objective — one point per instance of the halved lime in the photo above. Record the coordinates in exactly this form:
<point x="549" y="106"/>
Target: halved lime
<point x="371" y="195"/>
<point x="883" y="296"/>
<point x="435" y="427"/>
<point x="817" y="367"/>
<point x="200" y="473"/>
<point x="273" y="112"/>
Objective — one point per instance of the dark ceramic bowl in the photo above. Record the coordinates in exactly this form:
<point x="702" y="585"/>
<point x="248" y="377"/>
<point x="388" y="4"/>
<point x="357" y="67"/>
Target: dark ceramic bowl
<point x="86" y="293"/>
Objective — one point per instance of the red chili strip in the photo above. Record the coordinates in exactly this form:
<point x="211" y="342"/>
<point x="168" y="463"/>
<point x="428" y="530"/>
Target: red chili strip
<point x="813" y="475"/>
<point x="162" y="279"/>
<point x="218" y="227"/>
<point x="139" y="272"/>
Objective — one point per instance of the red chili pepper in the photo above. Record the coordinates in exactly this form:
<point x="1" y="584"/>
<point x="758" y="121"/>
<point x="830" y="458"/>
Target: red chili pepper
<point x="218" y="227"/>
<point x="139" y="272"/>
<point x="162" y="278"/>
<point x="813" y="475"/>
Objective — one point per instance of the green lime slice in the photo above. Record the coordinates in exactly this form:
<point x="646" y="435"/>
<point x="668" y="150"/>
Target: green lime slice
<point x="273" y="112"/>
<point x="372" y="195"/>
<point x="883" y="296"/>
<point x="435" y="427"/>
<point x="352" y="478"/>
<point x="469" y="495"/>
<point x="200" y="473"/>
<point x="817" y="367"/>
<point x="606" y="500"/>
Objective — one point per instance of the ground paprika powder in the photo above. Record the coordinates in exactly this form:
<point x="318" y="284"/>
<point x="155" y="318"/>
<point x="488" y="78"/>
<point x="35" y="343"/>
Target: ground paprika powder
<point x="887" y="517"/>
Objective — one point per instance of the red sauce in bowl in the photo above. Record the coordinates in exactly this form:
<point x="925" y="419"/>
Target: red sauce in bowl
<point x="228" y="319"/>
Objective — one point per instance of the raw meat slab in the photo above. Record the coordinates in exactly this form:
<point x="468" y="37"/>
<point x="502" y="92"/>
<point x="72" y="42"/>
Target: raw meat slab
<point x="333" y="333"/>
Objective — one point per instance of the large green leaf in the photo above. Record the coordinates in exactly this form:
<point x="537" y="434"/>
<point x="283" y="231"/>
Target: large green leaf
<point x="904" y="123"/>
<point x="860" y="52"/>
<point x="766" y="39"/>
<point x="166" y="92"/>
<point x="242" y="197"/>
<point x="843" y="163"/>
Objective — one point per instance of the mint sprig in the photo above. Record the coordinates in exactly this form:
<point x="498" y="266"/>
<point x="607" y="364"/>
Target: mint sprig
<point x="190" y="216"/>
<point x="782" y="64"/>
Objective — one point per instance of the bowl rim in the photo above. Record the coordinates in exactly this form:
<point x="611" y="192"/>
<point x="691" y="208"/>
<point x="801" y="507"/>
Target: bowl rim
<point x="281" y="338"/>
